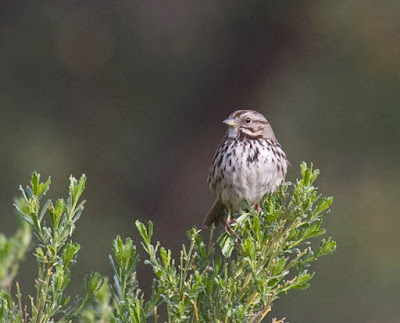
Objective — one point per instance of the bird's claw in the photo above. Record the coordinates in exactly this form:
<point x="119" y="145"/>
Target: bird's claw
<point x="229" y="230"/>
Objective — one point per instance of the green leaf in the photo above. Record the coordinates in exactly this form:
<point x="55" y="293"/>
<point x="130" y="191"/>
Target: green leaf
<point x="57" y="212"/>
<point x="39" y="189"/>
<point x="165" y="257"/>
<point x="44" y="210"/>
<point x="76" y="188"/>
<point x="314" y="233"/>
<point x="146" y="235"/>
<point x="326" y="247"/>
<point x="94" y="283"/>
<point x="279" y="265"/>
<point x="227" y="244"/>
<point x="323" y="205"/>
<point x="70" y="251"/>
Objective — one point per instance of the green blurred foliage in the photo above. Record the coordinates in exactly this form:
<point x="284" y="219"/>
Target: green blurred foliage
<point x="55" y="254"/>
<point x="132" y="94"/>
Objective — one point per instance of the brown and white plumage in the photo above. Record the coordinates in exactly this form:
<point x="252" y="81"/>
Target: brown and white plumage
<point x="249" y="163"/>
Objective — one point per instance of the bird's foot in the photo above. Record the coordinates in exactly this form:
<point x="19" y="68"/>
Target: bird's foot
<point x="228" y="228"/>
<point x="258" y="207"/>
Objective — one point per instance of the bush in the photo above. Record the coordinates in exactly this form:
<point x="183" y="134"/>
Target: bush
<point x="233" y="278"/>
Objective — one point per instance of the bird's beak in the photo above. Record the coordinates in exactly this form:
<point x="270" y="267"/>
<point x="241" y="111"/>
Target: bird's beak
<point x="231" y="122"/>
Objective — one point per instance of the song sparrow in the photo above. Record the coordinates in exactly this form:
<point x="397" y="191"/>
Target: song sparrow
<point x="248" y="164"/>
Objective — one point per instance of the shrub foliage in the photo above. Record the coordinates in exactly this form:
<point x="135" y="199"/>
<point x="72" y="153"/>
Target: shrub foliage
<point x="224" y="278"/>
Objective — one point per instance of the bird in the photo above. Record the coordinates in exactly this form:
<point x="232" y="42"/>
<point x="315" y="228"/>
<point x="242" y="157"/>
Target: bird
<point x="249" y="164"/>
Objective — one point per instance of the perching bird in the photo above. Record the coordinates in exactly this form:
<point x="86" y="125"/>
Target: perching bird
<point x="248" y="164"/>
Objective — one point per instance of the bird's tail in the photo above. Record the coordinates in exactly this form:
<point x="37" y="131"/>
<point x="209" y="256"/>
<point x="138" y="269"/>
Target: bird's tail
<point x="215" y="215"/>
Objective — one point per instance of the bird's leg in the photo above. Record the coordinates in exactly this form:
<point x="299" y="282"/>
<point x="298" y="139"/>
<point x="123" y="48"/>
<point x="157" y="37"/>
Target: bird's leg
<point x="258" y="208"/>
<point x="228" y="228"/>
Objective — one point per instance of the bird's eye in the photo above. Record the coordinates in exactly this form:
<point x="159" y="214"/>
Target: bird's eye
<point x="248" y="120"/>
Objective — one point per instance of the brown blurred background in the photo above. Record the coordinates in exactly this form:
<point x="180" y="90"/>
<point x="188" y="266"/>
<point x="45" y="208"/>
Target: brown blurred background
<point x="133" y="93"/>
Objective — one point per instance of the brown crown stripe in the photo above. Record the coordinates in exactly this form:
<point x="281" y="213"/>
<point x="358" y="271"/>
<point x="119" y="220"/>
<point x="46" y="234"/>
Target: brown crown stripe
<point x="239" y="113"/>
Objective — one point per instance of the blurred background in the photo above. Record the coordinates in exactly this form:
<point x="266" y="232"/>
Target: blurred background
<point x="133" y="93"/>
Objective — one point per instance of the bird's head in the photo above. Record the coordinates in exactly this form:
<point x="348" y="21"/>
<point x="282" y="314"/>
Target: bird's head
<point x="248" y="124"/>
